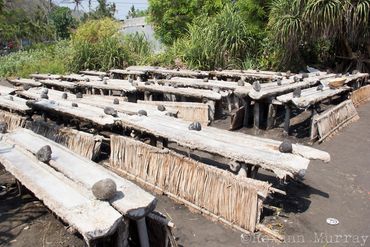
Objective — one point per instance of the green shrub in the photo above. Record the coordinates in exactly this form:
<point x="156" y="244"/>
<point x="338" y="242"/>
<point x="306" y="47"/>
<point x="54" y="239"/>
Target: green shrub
<point x="224" y="40"/>
<point x="42" y="58"/>
<point x="97" y="44"/>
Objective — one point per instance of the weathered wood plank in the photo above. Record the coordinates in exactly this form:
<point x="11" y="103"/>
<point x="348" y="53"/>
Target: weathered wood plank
<point x="23" y="81"/>
<point x="361" y="95"/>
<point x="130" y="199"/>
<point x="210" y="84"/>
<point x="312" y="96"/>
<point x="188" y="92"/>
<point x="94" y="73"/>
<point x="254" y="151"/>
<point x="73" y="204"/>
<point x="287" y="85"/>
<point x="333" y="119"/>
<point x="189" y="111"/>
<point x="14" y="103"/>
<point x="59" y="83"/>
<point x="46" y="76"/>
<point x="111" y="84"/>
<point x="6" y="90"/>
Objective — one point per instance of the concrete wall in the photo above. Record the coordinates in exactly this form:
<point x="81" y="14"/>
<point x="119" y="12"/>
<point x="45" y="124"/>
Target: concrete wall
<point x="139" y="25"/>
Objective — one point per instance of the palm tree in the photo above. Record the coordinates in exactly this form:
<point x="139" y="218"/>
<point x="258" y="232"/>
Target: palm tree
<point x="345" y="23"/>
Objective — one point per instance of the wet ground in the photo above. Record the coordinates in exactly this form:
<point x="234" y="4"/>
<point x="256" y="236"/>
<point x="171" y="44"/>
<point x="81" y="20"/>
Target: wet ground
<point x="340" y="189"/>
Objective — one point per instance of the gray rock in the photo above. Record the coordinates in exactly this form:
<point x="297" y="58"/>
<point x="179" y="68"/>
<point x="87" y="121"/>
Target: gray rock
<point x="3" y="127"/>
<point x="195" y="126"/>
<point x="297" y="93"/>
<point x="241" y="83"/>
<point x="278" y="81"/>
<point x="205" y="79"/>
<point x="130" y="80"/>
<point x="26" y="87"/>
<point x="110" y="111"/>
<point x="11" y="98"/>
<point x="44" y="96"/>
<point x="87" y="79"/>
<point x="116" y="101"/>
<point x="168" y="77"/>
<point x="320" y="87"/>
<point x="104" y="189"/>
<point x="74" y="105"/>
<point x="105" y="81"/>
<point x="45" y="91"/>
<point x="171" y="114"/>
<point x="161" y="108"/>
<point x="257" y="86"/>
<point x="286" y="147"/>
<point x="279" y="74"/>
<point x="142" y="113"/>
<point x="79" y="95"/>
<point x="355" y="72"/>
<point x="64" y="96"/>
<point x="296" y="79"/>
<point x="44" y="154"/>
<point x="305" y="75"/>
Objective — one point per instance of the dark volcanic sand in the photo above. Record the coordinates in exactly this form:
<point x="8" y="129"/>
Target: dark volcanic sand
<point x="340" y="189"/>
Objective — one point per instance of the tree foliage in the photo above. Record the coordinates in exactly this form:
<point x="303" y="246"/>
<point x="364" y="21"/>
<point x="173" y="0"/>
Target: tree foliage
<point x="63" y="21"/>
<point x="300" y="24"/>
<point x="224" y="40"/>
<point x="133" y="13"/>
<point x="171" y="18"/>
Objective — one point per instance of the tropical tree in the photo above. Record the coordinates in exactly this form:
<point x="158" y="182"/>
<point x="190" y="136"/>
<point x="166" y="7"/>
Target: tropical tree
<point x="63" y="21"/>
<point x="344" y="24"/>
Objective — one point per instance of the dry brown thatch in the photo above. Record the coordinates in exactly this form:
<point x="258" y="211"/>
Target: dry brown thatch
<point x="234" y="199"/>
<point x="361" y="95"/>
<point x="13" y="120"/>
<point x="82" y="143"/>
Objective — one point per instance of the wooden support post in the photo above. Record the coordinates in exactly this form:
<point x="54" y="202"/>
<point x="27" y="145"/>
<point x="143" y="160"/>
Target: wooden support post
<point x="271" y="116"/>
<point x="254" y="172"/>
<point x="236" y="101"/>
<point x="229" y="106"/>
<point x="287" y="119"/>
<point x="93" y="90"/>
<point x="101" y="91"/>
<point x="153" y="141"/>
<point x="146" y="95"/>
<point x="257" y="114"/>
<point x="122" y="234"/>
<point x="165" y="142"/>
<point x="110" y="92"/>
<point x="247" y="105"/>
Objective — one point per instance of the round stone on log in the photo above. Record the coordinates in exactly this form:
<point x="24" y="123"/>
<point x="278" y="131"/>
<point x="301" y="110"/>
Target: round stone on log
<point x="64" y="96"/>
<point x="142" y="113"/>
<point x="44" y="154"/>
<point x="257" y="86"/>
<point x="110" y="111"/>
<point x="195" y="126"/>
<point x="26" y="87"/>
<point x="105" y="81"/>
<point x="130" y="80"/>
<point x="240" y="83"/>
<point x="297" y="93"/>
<point x="87" y="79"/>
<point x="286" y="147"/>
<point x="355" y="72"/>
<point x="205" y="79"/>
<point x="74" y="105"/>
<point x="320" y="87"/>
<point x="104" y="189"/>
<point x="3" y="127"/>
<point x="278" y="81"/>
<point x="78" y="95"/>
<point x="116" y="101"/>
<point x="305" y="75"/>
<point x="161" y="108"/>
<point x="45" y="91"/>
<point x="279" y="74"/>
<point x="44" y="96"/>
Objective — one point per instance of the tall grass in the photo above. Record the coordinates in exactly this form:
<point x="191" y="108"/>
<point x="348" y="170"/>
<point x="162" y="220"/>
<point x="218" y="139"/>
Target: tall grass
<point x="42" y="58"/>
<point x="224" y="40"/>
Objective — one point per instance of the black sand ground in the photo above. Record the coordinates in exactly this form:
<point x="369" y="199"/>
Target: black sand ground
<point x="340" y="189"/>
